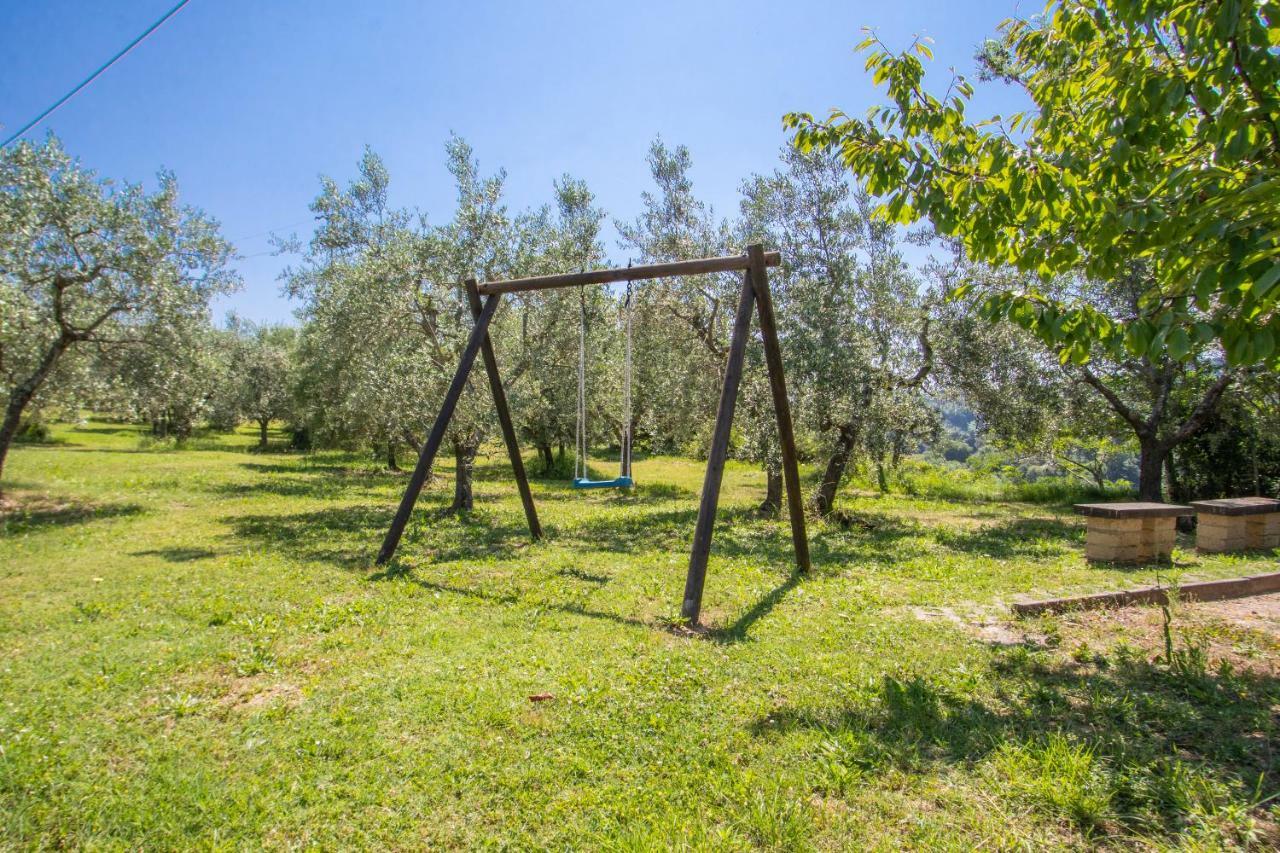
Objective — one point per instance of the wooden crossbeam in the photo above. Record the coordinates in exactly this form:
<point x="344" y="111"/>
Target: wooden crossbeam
<point x="700" y="266"/>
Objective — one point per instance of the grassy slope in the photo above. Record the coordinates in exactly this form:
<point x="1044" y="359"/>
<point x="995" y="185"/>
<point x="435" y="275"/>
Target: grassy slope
<point x="193" y="647"/>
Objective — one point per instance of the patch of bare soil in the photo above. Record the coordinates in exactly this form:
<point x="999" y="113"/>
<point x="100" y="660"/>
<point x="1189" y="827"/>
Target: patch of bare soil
<point x="982" y="623"/>
<point x="1260" y="613"/>
<point x="252" y="692"/>
<point x="22" y="510"/>
<point x="1243" y="631"/>
<point x="15" y="503"/>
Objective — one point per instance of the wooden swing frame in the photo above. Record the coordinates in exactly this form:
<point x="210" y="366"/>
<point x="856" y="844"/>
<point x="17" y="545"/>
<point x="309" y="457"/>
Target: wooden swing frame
<point x="755" y="293"/>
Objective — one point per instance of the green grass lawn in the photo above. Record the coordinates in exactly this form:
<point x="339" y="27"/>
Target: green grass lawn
<point x="195" y="650"/>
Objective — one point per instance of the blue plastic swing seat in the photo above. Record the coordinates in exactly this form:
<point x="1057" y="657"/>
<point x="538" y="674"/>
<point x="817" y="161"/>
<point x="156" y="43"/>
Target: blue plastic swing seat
<point x="615" y="483"/>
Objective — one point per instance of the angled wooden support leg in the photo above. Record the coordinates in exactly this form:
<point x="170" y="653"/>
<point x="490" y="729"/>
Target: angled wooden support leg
<point x="478" y="335"/>
<point x="504" y="416"/>
<point x="781" y="405"/>
<point x="716" y="458"/>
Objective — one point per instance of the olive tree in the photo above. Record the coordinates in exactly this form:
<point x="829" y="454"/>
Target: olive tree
<point x="541" y="366"/>
<point x="681" y="324"/>
<point x="386" y="312"/>
<point x="387" y="315"/>
<point x="260" y="373"/>
<point x="87" y="263"/>
<point x="855" y="317"/>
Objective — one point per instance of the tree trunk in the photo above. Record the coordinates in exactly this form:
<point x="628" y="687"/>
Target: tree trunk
<point x="824" y="499"/>
<point x="1176" y="494"/>
<point x="464" y="458"/>
<point x="548" y="459"/>
<point x="23" y="393"/>
<point x="262" y="432"/>
<point x="392" y="465"/>
<point x="772" y="503"/>
<point x="12" y="417"/>
<point x="1151" y="454"/>
<point x="882" y="477"/>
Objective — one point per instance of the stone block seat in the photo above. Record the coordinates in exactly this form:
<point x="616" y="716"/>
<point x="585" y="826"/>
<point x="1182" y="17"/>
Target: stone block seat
<point x="1130" y="531"/>
<point x="1237" y="524"/>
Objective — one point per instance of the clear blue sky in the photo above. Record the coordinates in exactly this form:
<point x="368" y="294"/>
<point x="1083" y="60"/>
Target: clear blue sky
<point x="249" y="102"/>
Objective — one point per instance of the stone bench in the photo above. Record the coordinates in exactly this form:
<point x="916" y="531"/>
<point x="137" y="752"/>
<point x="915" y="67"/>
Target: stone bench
<point x="1130" y="531"/>
<point x="1237" y="524"/>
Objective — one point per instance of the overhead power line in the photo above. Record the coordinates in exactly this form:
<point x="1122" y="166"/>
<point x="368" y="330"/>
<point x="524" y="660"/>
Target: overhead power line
<point x="112" y="61"/>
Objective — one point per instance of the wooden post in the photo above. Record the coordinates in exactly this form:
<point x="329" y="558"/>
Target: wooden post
<point x="478" y="335"/>
<point x="716" y="458"/>
<point x="781" y="405"/>
<point x="504" y="415"/>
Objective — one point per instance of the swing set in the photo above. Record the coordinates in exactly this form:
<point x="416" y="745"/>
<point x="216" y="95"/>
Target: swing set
<point x="754" y="295"/>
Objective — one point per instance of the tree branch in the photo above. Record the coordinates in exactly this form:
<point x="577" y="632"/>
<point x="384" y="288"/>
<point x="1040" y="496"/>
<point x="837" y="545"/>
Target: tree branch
<point x="1202" y="411"/>
<point x="1139" y="425"/>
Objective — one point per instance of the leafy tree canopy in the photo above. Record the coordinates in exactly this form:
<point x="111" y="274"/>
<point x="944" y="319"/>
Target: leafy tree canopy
<point x="88" y="265"/>
<point x="1154" y="139"/>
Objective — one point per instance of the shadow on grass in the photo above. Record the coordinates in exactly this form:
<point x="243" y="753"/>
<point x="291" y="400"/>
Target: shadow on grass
<point x="739" y="531"/>
<point x="1132" y="745"/>
<point x="349" y="536"/>
<point x="177" y="555"/>
<point x="110" y="429"/>
<point x="1018" y="537"/>
<point x="36" y="512"/>
<point x="273" y="448"/>
<point x="737" y="630"/>
<point x="578" y="574"/>
<point x="313" y="468"/>
<point x="346" y="536"/>
<point x="313" y="487"/>
<point x="509" y="599"/>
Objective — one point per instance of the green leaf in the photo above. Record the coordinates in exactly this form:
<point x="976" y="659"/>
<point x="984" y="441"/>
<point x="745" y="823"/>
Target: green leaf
<point x="1265" y="282"/>
<point x="1137" y="338"/>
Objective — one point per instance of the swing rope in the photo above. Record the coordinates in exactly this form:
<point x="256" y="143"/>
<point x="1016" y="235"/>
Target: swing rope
<point x="581" y="439"/>
<point x="625" y="462"/>
<point x="580" y="431"/>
